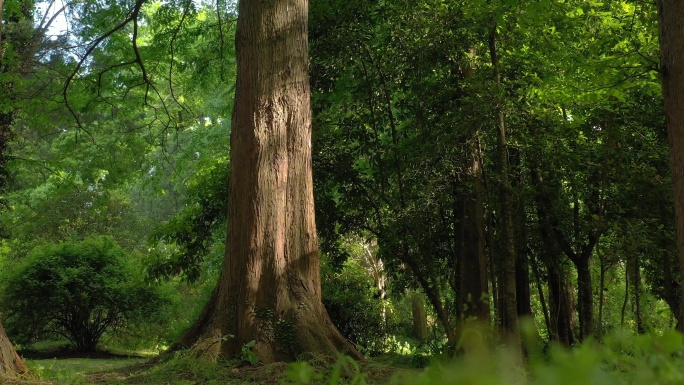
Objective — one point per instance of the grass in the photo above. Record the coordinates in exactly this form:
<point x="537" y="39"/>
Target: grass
<point x="622" y="359"/>
<point x="185" y="369"/>
<point x="67" y="371"/>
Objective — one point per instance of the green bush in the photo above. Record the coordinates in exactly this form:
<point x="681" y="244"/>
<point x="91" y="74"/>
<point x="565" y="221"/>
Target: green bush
<point x="79" y="291"/>
<point x="349" y="298"/>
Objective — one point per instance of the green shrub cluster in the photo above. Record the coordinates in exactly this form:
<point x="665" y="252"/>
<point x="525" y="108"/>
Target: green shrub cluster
<point x="79" y="291"/>
<point x="350" y="299"/>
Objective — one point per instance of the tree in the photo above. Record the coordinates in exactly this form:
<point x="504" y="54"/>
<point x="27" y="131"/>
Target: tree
<point x="10" y="362"/>
<point x="78" y="290"/>
<point x="507" y="284"/>
<point x="269" y="289"/>
<point x="671" y="16"/>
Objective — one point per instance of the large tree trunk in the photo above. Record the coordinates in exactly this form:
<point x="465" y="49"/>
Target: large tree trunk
<point x="269" y="289"/>
<point x="671" y="15"/>
<point x="10" y="362"/>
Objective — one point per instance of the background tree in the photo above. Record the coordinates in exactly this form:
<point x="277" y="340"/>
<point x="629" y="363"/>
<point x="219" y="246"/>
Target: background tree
<point x="671" y="15"/>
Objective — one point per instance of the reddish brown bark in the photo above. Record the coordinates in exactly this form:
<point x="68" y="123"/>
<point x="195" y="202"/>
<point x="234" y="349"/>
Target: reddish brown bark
<point x="10" y="362"/>
<point x="671" y="15"/>
<point x="269" y="289"/>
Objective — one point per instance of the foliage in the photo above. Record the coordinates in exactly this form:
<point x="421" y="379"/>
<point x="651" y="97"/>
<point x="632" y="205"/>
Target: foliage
<point x="247" y="354"/>
<point x="350" y="299"/>
<point x="624" y="359"/>
<point x="78" y="290"/>
<point x="74" y="370"/>
<point x="403" y="100"/>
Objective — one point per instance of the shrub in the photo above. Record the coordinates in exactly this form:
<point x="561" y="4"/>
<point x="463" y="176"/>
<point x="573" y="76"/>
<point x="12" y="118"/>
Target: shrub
<point x="349" y="298"/>
<point x="77" y="290"/>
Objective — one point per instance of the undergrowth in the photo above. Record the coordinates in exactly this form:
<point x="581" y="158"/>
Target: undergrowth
<point x="622" y="359"/>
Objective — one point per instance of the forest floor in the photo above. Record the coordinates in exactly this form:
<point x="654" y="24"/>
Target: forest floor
<point x="113" y="369"/>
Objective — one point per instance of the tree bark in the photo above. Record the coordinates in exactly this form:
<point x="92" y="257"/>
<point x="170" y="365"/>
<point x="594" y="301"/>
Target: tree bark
<point x="560" y="297"/>
<point x="522" y="260"/>
<point x="633" y="270"/>
<point x="602" y="299"/>
<point x="671" y="16"/>
<point x="10" y="363"/>
<point x="473" y="266"/>
<point x="540" y="292"/>
<point x="420" y="331"/>
<point x="585" y="299"/>
<point x="626" y="300"/>
<point x="509" y="304"/>
<point x="269" y="289"/>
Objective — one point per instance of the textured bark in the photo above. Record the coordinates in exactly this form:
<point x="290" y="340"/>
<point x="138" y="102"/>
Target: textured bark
<point x="269" y="289"/>
<point x="10" y="363"/>
<point x="671" y="15"/>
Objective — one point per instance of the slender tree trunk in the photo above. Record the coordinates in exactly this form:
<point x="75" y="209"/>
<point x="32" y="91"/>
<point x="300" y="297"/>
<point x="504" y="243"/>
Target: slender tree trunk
<point x="671" y="15"/>
<point x="626" y="300"/>
<point x="522" y="260"/>
<point x="602" y="299"/>
<point x="420" y="331"/>
<point x="269" y="289"/>
<point x="509" y="308"/>
<point x="432" y="293"/>
<point x="561" y="306"/>
<point x="581" y="260"/>
<point x="635" y="277"/>
<point x="585" y="298"/>
<point x="473" y="269"/>
<point x="10" y="363"/>
<point x="560" y="297"/>
<point x="540" y="292"/>
<point x="493" y="278"/>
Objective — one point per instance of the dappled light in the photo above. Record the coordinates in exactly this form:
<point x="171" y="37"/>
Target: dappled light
<point x="341" y="192"/>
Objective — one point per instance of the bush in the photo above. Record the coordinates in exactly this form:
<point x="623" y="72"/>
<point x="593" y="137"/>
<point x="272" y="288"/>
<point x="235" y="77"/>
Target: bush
<point x="349" y="298"/>
<point x="77" y="290"/>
